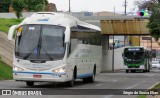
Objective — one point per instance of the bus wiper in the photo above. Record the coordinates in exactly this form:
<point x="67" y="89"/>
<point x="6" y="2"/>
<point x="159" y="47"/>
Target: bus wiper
<point x="29" y="54"/>
<point x="38" y="46"/>
<point x="50" y="57"/>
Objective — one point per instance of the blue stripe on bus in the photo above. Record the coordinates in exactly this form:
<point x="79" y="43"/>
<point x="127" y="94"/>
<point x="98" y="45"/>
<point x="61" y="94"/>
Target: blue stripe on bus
<point x="39" y="73"/>
<point x="84" y="75"/>
<point x="31" y="72"/>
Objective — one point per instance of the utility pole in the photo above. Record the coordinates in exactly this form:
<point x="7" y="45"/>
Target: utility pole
<point x="113" y="55"/>
<point x="114" y="10"/>
<point x="69" y="6"/>
<point x="125" y="7"/>
<point x="125" y="13"/>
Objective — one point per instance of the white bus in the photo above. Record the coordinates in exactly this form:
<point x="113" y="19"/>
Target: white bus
<point x="55" y="47"/>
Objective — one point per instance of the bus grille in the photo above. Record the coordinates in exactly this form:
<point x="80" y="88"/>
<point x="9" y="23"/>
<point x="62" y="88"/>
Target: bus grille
<point x="133" y="62"/>
<point x="133" y="66"/>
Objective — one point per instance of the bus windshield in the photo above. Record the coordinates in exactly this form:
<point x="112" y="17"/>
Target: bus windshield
<point x="134" y="55"/>
<point x="40" y="42"/>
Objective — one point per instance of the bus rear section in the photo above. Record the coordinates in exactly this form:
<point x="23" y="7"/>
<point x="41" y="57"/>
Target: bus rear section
<point x="136" y="59"/>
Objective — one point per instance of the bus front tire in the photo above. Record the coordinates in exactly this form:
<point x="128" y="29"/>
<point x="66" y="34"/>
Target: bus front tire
<point x="71" y="83"/>
<point x="29" y="83"/>
<point x="144" y="71"/>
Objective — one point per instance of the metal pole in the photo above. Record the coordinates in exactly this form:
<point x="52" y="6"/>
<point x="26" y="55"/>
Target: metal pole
<point x="113" y="56"/>
<point x="139" y="40"/>
<point x="125" y="12"/>
<point x="114" y="11"/>
<point x="69" y="6"/>
<point x="151" y="46"/>
<point x="125" y="6"/>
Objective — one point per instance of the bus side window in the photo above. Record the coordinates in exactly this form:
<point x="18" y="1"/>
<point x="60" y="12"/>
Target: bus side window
<point x="74" y="43"/>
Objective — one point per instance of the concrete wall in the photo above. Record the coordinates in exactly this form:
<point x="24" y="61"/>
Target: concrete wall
<point x="118" y="60"/>
<point x="108" y="54"/>
<point x="12" y="15"/>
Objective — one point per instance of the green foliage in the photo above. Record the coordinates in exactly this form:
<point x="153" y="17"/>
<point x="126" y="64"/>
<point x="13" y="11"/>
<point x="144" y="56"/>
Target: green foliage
<point x="4" y="5"/>
<point x="29" y="5"/>
<point x="5" y="24"/>
<point x="36" y="5"/>
<point x="141" y="96"/>
<point x="154" y="22"/>
<point x="5" y="71"/>
<point x="18" y="6"/>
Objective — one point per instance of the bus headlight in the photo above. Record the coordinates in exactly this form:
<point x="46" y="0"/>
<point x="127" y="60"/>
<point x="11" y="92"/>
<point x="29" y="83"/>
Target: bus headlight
<point x="59" y="70"/>
<point x="17" y="69"/>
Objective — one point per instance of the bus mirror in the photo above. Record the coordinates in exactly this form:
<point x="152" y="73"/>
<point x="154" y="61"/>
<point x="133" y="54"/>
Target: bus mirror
<point x="11" y="31"/>
<point x="67" y="34"/>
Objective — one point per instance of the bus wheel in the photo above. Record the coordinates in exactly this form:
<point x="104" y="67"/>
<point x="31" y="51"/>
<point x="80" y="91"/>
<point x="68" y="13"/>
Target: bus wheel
<point x="127" y="71"/>
<point x="71" y="83"/>
<point x="144" y="70"/>
<point x="92" y="78"/>
<point x="29" y="83"/>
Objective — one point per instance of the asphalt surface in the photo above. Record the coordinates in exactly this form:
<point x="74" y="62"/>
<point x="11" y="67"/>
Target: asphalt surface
<point x="104" y="81"/>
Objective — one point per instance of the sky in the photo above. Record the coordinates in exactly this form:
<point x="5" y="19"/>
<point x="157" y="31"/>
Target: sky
<point x="93" y="5"/>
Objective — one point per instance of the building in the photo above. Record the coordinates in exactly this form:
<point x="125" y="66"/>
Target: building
<point x="105" y="13"/>
<point x="52" y="7"/>
<point x="149" y="42"/>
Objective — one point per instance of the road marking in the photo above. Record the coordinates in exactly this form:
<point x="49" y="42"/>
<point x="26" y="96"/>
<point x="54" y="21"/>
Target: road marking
<point x="115" y="80"/>
<point x="132" y="86"/>
<point x="98" y="84"/>
<point x="108" y="96"/>
<point x="135" y="85"/>
<point x="153" y="85"/>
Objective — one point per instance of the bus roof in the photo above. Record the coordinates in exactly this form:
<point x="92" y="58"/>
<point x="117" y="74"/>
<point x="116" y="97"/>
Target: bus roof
<point x="61" y="19"/>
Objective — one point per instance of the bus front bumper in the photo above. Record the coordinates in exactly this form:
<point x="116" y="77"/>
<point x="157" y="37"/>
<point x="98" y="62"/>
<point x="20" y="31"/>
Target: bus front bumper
<point x="134" y="67"/>
<point x="40" y="77"/>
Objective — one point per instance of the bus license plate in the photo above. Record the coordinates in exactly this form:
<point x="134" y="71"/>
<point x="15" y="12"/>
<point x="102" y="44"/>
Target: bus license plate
<point x="37" y="76"/>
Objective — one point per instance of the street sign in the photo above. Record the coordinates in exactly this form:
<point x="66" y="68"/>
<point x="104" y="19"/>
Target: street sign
<point x="146" y="38"/>
<point x="88" y="14"/>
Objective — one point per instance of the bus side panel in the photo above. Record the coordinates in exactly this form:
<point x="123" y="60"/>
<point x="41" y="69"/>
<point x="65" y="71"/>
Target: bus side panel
<point x="85" y="57"/>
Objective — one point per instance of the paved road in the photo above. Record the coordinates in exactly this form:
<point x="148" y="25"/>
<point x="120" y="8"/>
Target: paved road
<point x="117" y="80"/>
<point x="6" y="49"/>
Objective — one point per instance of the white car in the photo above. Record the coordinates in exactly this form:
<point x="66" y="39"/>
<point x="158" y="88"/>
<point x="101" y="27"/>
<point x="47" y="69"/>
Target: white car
<point x="155" y="64"/>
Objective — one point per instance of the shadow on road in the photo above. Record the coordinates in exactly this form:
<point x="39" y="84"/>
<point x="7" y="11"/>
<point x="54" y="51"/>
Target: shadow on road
<point x="78" y="83"/>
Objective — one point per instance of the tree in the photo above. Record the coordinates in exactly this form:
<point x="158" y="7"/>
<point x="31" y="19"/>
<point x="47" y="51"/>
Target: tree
<point x="4" y="5"/>
<point x="154" y="22"/>
<point x="153" y="6"/>
<point x="36" y="5"/>
<point x="18" y="6"/>
<point x="29" y="5"/>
